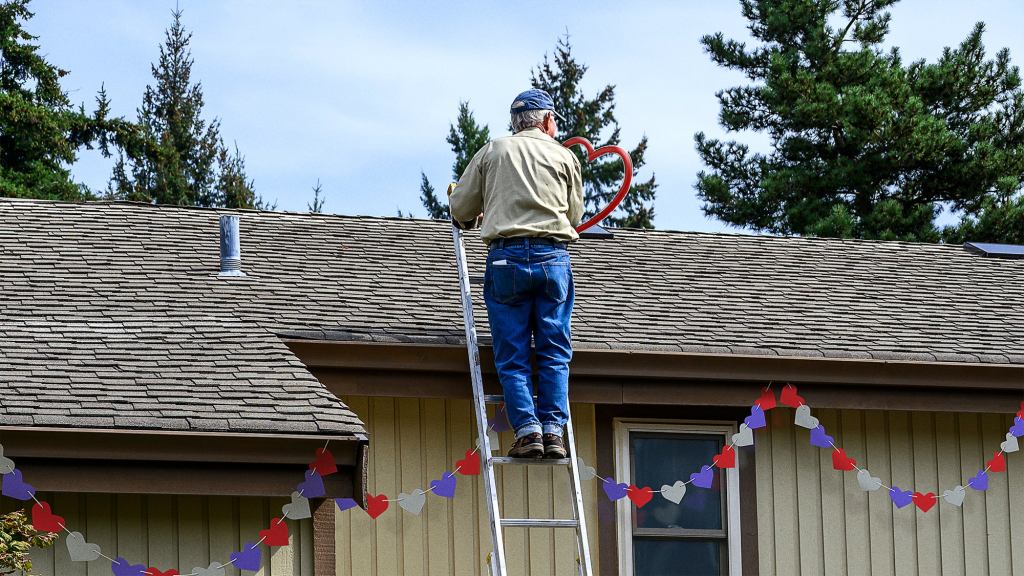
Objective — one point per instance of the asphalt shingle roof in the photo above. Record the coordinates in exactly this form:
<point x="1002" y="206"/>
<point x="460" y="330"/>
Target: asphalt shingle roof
<point x="112" y="314"/>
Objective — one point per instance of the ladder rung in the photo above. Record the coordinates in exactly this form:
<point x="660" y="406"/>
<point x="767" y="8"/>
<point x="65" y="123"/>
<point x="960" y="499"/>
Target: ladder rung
<point x="539" y="523"/>
<point x="531" y="461"/>
<point x="497" y="398"/>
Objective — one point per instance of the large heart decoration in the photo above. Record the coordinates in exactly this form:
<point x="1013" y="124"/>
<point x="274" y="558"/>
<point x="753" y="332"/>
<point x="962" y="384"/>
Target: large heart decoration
<point x="14" y="486"/>
<point x="81" y="551"/>
<point x="615" y="491"/>
<point x="924" y="502"/>
<point x="804" y="419"/>
<point x="867" y="482"/>
<point x="44" y="520"/>
<point x="121" y="567"/>
<point x="790" y="398"/>
<point x="215" y="569"/>
<point x="324" y="463"/>
<point x="756" y="419"/>
<point x="312" y="486"/>
<point x="627" y="179"/>
<point x="745" y="437"/>
<point x="955" y="496"/>
<point x="639" y="496"/>
<point x="470" y="465"/>
<point x="298" y="509"/>
<point x="248" y="558"/>
<point x="445" y="487"/>
<point x="1010" y="444"/>
<point x="376" y="505"/>
<point x="277" y="534"/>
<point x="413" y="503"/>
<point x="726" y="459"/>
<point x="704" y="478"/>
<point x="840" y="461"/>
<point x="675" y="492"/>
<point x="6" y="464"/>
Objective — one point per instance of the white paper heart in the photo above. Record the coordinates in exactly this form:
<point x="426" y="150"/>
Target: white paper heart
<point x="298" y="509"/>
<point x="745" y="437"/>
<point x="80" y="550"/>
<point x="6" y="464"/>
<point x="1011" y="444"/>
<point x="215" y="569"/>
<point x="413" y="503"/>
<point x="867" y="482"/>
<point x="955" y="496"/>
<point x="675" y="492"/>
<point x="804" y="418"/>
<point x="586" y="472"/>
<point x="492" y="438"/>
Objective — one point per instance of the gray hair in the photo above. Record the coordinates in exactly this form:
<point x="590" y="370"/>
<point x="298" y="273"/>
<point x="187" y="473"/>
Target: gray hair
<point x="528" y="119"/>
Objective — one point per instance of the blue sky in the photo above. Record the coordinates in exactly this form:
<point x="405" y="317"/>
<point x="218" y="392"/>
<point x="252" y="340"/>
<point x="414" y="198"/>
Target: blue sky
<point x="360" y="94"/>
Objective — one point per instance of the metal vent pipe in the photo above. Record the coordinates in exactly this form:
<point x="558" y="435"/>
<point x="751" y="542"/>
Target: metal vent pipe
<point x="230" y="249"/>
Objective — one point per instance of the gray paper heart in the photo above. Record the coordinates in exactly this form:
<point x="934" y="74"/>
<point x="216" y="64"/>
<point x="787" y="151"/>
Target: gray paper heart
<point x="804" y="418"/>
<point x="298" y="509"/>
<point x="675" y="492"/>
<point x="1011" y="444"/>
<point x="80" y="550"/>
<point x="745" y="437"/>
<point x="586" y="472"/>
<point x="492" y="438"/>
<point x="6" y="464"/>
<point x="215" y="569"/>
<point x="955" y="496"/>
<point x="867" y="482"/>
<point x="413" y="503"/>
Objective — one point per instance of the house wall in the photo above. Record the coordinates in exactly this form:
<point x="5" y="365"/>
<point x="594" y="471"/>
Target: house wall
<point x="815" y="520"/>
<point x="415" y="440"/>
<point x="167" y="532"/>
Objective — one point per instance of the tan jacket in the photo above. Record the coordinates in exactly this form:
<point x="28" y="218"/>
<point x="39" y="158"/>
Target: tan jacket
<point x="526" y="184"/>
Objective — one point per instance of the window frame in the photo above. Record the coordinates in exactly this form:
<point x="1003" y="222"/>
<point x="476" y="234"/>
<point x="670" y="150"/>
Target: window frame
<point x="622" y="428"/>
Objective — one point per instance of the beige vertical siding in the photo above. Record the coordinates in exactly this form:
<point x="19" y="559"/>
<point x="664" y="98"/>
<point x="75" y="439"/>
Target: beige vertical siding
<point x="815" y="520"/>
<point x="413" y="441"/>
<point x="165" y="532"/>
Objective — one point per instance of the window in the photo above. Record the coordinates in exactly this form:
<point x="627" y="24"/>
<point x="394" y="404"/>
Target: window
<point x="700" y="536"/>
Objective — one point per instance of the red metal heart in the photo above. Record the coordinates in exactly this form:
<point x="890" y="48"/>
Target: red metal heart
<point x="277" y="534"/>
<point x="324" y="463"/>
<point x="639" y="496"/>
<point x="727" y="459"/>
<point x="44" y="520"/>
<point x="470" y="465"/>
<point x="376" y="505"/>
<point x="626" y="181"/>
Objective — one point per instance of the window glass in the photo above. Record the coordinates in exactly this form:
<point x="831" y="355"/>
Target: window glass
<point x="662" y="459"/>
<point x="652" y="557"/>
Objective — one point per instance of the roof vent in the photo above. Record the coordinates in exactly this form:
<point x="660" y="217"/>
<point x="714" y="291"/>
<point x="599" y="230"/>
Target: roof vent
<point x="597" y="231"/>
<point x="1013" y="251"/>
<point x="230" y="251"/>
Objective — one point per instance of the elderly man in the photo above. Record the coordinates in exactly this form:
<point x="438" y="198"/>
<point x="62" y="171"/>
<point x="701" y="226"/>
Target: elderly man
<point x="529" y="188"/>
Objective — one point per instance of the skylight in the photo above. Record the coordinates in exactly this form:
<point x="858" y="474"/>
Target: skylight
<point x="1014" y="251"/>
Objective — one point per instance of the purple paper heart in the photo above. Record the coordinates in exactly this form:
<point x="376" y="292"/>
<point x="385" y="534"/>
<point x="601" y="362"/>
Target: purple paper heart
<point x="444" y="487"/>
<point x="345" y="504"/>
<point x="820" y="439"/>
<point x="900" y="497"/>
<point x="312" y="486"/>
<point x="756" y="418"/>
<point x="15" y="487"/>
<point x="500" y="421"/>
<point x="248" y="558"/>
<point x="121" y="567"/>
<point x="979" y="481"/>
<point x="615" y="491"/>
<point x="705" y="477"/>
<point x="1018" y="427"/>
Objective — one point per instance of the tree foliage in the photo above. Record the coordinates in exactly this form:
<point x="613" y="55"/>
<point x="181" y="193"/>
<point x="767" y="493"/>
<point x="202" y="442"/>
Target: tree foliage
<point x="17" y="538"/>
<point x="466" y="138"/>
<point x="593" y="118"/>
<point x="863" y="145"/>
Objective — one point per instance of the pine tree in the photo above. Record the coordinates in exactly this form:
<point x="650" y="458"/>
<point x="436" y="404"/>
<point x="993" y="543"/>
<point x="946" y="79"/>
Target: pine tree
<point x="466" y="138"/>
<point x="863" y="145"/>
<point x="317" y="206"/>
<point x="40" y="131"/>
<point x="593" y="118"/>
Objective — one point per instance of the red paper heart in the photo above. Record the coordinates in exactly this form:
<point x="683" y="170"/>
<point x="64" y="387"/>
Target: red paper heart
<point x="766" y="400"/>
<point x="470" y="465"/>
<point x="924" y="501"/>
<point x="997" y="463"/>
<point x="626" y="180"/>
<point x="727" y="459"/>
<point x="44" y="520"/>
<point x="789" y="396"/>
<point x="639" y="496"/>
<point x="277" y="534"/>
<point x="1020" y="413"/>
<point x="840" y="461"/>
<point x="154" y="572"/>
<point x="376" y="505"/>
<point x="324" y="463"/>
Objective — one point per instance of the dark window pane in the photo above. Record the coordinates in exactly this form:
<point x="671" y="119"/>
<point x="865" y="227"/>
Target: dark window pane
<point x="677" y="557"/>
<point x="664" y="459"/>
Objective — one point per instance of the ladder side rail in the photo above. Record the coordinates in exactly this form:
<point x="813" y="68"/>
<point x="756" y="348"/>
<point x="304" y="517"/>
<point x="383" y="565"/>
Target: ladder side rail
<point x="582" y="538"/>
<point x="498" y="554"/>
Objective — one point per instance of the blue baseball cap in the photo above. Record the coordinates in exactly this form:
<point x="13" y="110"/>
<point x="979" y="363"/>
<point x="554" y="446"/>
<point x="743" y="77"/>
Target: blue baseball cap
<point x="534" y="99"/>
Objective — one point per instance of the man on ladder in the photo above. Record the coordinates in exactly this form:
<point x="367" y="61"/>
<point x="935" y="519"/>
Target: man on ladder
<point x="529" y="187"/>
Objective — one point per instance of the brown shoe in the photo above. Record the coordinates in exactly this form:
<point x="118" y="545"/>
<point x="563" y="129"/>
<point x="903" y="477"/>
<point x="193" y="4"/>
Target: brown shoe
<point x="554" y="446"/>
<point x="528" y="446"/>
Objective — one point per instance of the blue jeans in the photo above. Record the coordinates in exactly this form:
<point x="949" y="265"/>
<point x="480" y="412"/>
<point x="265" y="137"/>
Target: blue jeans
<point x="529" y="292"/>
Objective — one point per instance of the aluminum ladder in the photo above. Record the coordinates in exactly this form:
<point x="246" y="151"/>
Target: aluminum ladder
<point x="498" y="564"/>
